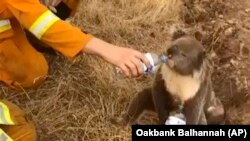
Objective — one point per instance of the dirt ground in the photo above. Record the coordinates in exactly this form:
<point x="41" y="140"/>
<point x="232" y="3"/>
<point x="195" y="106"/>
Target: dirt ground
<point x="78" y="98"/>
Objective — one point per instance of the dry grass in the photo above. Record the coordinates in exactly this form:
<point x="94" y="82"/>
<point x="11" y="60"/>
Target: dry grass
<point x="77" y="100"/>
<point x="141" y="24"/>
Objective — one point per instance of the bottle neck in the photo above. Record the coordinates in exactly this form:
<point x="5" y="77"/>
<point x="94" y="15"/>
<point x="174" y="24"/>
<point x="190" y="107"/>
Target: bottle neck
<point x="163" y="58"/>
<point x="180" y="108"/>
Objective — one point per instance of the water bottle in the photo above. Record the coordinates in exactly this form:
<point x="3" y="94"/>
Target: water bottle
<point x="176" y="118"/>
<point x="154" y="60"/>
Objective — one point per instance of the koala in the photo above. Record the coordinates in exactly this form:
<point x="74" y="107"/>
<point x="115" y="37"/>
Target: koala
<point x="184" y="80"/>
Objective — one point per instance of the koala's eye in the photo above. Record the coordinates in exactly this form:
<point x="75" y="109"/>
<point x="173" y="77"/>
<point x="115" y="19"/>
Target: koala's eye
<point x="183" y="54"/>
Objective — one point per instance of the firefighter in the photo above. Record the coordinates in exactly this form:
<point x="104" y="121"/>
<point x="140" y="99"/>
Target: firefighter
<point x="22" y="66"/>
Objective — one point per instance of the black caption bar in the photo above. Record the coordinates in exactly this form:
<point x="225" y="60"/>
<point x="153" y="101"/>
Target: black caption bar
<point x="163" y="132"/>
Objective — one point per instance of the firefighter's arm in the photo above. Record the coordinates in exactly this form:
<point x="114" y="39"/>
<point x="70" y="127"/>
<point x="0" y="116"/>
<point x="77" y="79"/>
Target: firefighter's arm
<point x="48" y="28"/>
<point x="70" y="40"/>
<point x="127" y="59"/>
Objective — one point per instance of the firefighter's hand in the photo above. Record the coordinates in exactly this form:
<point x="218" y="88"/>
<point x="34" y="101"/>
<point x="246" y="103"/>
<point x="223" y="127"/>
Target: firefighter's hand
<point x="126" y="59"/>
<point x="51" y="4"/>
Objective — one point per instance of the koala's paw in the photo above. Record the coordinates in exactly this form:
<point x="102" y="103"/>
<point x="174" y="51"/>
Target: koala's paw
<point x="216" y="114"/>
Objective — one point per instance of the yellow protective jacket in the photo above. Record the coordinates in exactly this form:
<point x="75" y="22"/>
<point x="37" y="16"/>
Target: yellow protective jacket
<point x="14" y="126"/>
<point x="20" y="64"/>
<point x="5" y="119"/>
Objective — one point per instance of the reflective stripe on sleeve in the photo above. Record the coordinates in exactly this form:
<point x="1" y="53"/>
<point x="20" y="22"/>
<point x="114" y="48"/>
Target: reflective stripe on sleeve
<point x="4" y="136"/>
<point x="4" y="25"/>
<point x="43" y="23"/>
<point x="5" y="115"/>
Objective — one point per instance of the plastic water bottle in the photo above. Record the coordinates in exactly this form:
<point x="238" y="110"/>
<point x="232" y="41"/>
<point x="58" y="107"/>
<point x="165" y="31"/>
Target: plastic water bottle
<point x="176" y="118"/>
<point x="154" y="60"/>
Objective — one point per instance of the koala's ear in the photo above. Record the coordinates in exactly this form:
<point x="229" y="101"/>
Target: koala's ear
<point x="198" y="36"/>
<point x="178" y="34"/>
